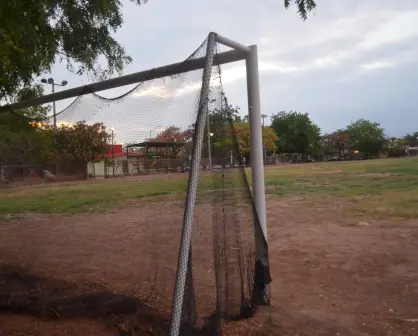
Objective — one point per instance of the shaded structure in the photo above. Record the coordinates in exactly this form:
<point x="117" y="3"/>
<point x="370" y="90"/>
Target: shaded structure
<point x="155" y="156"/>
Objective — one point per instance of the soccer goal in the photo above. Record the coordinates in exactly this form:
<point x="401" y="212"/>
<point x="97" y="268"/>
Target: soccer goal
<point x="202" y="240"/>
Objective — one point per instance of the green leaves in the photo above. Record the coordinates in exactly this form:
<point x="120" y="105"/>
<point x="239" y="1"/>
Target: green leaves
<point x="35" y="34"/>
<point x="304" y="6"/>
<point x="412" y="139"/>
<point x="81" y="142"/>
<point x="366" y="137"/>
<point x="297" y="133"/>
<point x="20" y="138"/>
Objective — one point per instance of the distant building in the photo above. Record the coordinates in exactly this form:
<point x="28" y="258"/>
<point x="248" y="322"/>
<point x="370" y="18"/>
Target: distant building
<point x="412" y="151"/>
<point x="103" y="166"/>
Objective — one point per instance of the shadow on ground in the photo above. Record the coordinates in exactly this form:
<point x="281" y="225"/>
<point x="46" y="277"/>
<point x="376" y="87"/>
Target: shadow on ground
<point x="23" y="293"/>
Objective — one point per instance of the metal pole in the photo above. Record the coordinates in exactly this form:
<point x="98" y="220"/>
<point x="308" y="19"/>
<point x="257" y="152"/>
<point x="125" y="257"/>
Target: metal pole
<point x="167" y="70"/>
<point x="209" y="144"/>
<point x="54" y="111"/>
<point x="264" y="148"/>
<point x="232" y="44"/>
<point x="189" y="212"/>
<point x="113" y="157"/>
<point x="256" y="137"/>
<point x="256" y="151"/>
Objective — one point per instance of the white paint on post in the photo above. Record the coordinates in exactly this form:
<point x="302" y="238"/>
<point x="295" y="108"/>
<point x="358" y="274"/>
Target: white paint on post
<point x="232" y="44"/>
<point x="189" y="212"/>
<point x="256" y="137"/>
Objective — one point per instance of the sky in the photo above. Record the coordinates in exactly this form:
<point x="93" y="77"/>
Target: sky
<point x="351" y="59"/>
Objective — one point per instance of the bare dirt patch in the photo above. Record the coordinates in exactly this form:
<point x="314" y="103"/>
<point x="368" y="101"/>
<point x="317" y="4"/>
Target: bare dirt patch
<point x="92" y="272"/>
<point x="331" y="276"/>
<point x="381" y="175"/>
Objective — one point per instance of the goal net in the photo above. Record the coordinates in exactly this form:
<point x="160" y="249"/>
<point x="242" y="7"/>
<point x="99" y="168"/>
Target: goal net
<point x="172" y="243"/>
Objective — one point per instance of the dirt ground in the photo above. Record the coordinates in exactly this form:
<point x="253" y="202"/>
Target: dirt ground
<point x="333" y="273"/>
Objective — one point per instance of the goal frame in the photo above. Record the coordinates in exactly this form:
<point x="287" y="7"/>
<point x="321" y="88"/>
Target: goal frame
<point x="239" y="52"/>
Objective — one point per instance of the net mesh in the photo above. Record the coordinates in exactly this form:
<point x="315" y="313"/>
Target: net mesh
<point x="119" y="264"/>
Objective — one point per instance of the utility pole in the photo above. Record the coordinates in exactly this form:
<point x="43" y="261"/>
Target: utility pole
<point x="113" y="154"/>
<point x="150" y="132"/>
<point x="51" y="81"/>
<point x="263" y="116"/>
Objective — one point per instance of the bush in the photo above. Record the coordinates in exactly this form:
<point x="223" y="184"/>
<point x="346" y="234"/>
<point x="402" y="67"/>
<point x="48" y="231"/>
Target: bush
<point x="396" y="151"/>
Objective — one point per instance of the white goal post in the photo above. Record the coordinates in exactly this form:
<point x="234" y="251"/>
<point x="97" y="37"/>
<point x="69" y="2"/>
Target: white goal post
<point x="240" y="52"/>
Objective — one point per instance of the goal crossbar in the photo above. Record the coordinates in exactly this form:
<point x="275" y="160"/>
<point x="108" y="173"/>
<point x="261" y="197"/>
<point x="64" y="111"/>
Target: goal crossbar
<point x="240" y="52"/>
<point x="154" y="73"/>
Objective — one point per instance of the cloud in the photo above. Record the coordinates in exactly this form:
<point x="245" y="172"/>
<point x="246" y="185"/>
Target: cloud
<point x="343" y="62"/>
<point x="401" y="27"/>
<point x="378" y="65"/>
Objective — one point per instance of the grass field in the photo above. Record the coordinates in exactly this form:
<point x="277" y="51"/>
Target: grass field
<point x="390" y="187"/>
<point x="343" y="240"/>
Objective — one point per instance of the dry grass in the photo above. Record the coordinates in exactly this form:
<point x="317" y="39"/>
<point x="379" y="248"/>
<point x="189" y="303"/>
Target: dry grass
<point x="387" y="187"/>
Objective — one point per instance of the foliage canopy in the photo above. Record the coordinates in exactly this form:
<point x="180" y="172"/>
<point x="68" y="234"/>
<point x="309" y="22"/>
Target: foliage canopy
<point x="35" y="34"/>
<point x="304" y="6"/>
<point x="297" y="132"/>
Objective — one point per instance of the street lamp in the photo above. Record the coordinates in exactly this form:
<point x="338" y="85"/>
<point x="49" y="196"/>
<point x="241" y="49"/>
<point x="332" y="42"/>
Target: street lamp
<point x="53" y="84"/>
<point x="54" y="111"/>
<point x="113" y="153"/>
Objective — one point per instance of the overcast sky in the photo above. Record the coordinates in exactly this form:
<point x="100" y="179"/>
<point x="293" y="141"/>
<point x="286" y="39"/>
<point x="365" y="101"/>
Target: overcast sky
<point x="350" y="59"/>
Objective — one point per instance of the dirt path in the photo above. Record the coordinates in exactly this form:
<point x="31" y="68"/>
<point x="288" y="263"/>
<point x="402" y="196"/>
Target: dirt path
<point x="335" y="275"/>
<point x="332" y="274"/>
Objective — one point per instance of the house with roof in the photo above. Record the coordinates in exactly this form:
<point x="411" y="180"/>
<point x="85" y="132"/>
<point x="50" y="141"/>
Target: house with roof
<point x="111" y="163"/>
<point x="139" y="158"/>
<point x="412" y="150"/>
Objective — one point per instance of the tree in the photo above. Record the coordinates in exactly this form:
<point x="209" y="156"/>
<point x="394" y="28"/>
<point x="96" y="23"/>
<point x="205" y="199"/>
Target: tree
<point x="22" y="139"/>
<point x="297" y="132"/>
<point x="269" y="139"/>
<point x="34" y="34"/>
<point x="412" y="139"/>
<point x="221" y="129"/>
<point x="366" y="136"/>
<point x="242" y="133"/>
<point x="304" y="6"/>
<point x="37" y="112"/>
<point x="81" y="142"/>
<point x="336" y="142"/>
<point x="174" y="133"/>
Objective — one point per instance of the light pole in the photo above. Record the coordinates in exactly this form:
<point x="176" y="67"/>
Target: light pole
<point x="54" y="111"/>
<point x="264" y="148"/>
<point x="264" y="116"/>
<point x="113" y="154"/>
<point x="210" y="135"/>
<point x="153" y="130"/>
